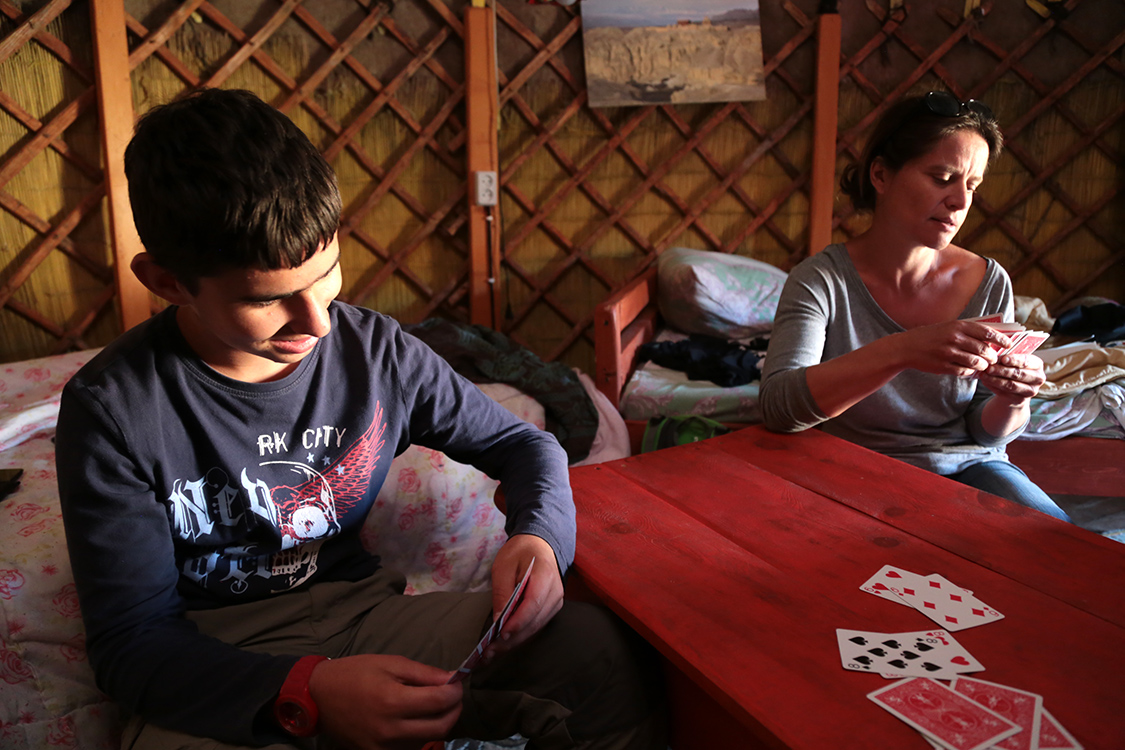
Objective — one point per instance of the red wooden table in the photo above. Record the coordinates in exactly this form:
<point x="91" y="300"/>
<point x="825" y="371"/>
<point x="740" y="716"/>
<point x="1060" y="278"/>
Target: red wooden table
<point x="738" y="557"/>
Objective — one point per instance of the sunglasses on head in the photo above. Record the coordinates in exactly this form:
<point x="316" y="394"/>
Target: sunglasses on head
<point x="944" y="104"/>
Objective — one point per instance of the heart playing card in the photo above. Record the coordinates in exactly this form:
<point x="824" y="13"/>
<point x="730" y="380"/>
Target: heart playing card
<point x="927" y="653"/>
<point x="889" y="581"/>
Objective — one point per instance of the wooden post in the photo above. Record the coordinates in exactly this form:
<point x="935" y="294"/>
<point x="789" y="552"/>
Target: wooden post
<point x="483" y="163"/>
<point x="822" y="186"/>
<point x="115" y="109"/>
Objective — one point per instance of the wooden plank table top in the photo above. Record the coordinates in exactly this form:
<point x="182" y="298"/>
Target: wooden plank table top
<point x="738" y="557"/>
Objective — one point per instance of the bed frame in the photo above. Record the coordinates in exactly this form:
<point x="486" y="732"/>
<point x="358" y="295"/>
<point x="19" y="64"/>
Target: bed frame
<point x="1070" y="466"/>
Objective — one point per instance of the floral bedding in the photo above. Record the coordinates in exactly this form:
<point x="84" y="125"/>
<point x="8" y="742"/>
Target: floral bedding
<point x="434" y="519"/>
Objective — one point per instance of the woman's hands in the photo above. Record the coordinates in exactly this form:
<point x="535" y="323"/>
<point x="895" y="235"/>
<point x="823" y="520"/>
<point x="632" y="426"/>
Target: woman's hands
<point x="1015" y="377"/>
<point x="960" y="347"/>
<point x="963" y="348"/>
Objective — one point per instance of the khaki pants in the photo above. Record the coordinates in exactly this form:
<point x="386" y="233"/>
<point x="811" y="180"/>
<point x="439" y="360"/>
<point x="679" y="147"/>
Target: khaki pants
<point x="584" y="681"/>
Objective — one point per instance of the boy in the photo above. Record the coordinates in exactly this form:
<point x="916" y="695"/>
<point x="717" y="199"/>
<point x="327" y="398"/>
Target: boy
<point x="217" y="462"/>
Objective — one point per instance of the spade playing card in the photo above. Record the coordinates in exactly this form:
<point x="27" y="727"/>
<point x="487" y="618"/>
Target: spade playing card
<point x="927" y="653"/>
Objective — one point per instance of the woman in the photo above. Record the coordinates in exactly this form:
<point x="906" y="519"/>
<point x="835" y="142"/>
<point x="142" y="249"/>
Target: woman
<point x="874" y="340"/>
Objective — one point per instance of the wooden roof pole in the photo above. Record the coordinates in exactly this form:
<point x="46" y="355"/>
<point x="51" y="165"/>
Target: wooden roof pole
<point x="822" y="185"/>
<point x="483" y="164"/>
<point x="115" y="110"/>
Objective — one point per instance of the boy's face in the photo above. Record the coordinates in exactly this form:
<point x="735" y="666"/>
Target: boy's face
<point x="255" y="325"/>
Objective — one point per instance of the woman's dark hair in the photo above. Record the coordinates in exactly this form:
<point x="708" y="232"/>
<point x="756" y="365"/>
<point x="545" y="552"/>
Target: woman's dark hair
<point x="911" y="128"/>
<point x="219" y="179"/>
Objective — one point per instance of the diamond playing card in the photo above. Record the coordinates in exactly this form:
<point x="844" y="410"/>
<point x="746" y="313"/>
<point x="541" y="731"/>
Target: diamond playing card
<point x="473" y="659"/>
<point x="1018" y="706"/>
<point x="951" y="719"/>
<point x="950" y="606"/>
<point x="927" y="653"/>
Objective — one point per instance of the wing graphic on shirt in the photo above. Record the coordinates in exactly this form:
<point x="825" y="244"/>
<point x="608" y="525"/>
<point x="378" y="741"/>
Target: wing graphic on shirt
<point x="310" y="510"/>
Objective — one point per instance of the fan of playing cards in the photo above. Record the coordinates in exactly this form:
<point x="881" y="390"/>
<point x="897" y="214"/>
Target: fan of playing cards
<point x="1024" y="340"/>
<point x="969" y="714"/>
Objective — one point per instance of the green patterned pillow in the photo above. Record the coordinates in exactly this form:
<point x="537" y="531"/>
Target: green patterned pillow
<point x="719" y="294"/>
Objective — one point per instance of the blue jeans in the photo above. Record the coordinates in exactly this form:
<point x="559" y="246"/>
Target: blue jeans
<point x="1007" y="480"/>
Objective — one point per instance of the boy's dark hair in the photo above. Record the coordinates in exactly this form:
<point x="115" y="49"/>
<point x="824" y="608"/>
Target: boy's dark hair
<point x="219" y="179"/>
<point x="909" y="129"/>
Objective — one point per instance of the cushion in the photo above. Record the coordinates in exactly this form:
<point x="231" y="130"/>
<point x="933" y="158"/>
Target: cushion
<point x="719" y="294"/>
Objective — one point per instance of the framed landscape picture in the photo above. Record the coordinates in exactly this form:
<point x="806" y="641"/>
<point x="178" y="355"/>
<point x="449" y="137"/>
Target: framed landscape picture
<point x="641" y="52"/>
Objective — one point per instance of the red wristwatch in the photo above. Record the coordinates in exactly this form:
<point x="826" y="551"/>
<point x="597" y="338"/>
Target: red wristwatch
<point x="294" y="708"/>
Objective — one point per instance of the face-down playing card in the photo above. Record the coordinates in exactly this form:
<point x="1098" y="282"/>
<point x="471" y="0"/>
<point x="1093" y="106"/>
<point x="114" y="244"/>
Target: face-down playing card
<point x="951" y="719"/>
<point x="1017" y="706"/>
<point x="927" y="653"/>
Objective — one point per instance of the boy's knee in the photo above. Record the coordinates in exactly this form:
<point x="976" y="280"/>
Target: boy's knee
<point x="613" y="676"/>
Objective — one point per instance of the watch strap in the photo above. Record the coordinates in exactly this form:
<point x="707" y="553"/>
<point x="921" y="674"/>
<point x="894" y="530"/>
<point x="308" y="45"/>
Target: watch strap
<point x="294" y="709"/>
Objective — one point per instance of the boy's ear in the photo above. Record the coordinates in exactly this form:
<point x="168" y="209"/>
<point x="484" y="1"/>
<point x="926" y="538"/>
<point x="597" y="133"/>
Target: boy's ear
<point x="159" y="280"/>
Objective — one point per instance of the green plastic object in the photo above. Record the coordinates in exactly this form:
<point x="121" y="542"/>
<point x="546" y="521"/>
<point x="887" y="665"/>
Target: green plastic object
<point x="665" y="432"/>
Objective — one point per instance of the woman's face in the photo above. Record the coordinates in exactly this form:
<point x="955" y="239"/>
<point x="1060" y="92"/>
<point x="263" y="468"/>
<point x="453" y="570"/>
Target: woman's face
<point x="926" y="201"/>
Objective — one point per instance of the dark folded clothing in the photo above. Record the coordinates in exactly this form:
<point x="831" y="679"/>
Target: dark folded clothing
<point x="1103" y="322"/>
<point x="486" y="356"/>
<point x="702" y="357"/>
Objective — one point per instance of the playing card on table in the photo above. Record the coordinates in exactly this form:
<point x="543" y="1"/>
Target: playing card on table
<point x="1017" y="706"/>
<point x="473" y="659"/>
<point x="889" y="578"/>
<point x="949" y="605"/>
<point x="943" y="715"/>
<point x="889" y="582"/>
<point x="927" y="653"/>
<point x="1052" y="735"/>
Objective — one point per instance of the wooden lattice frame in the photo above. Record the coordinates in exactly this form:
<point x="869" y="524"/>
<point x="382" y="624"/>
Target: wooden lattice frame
<point x="440" y="136"/>
<point x="969" y="29"/>
<point x="649" y="177"/>
<point x="445" y="222"/>
<point x="54" y="235"/>
<point x="343" y="135"/>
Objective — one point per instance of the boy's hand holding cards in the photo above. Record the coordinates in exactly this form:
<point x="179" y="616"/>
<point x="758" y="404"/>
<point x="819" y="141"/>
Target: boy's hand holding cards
<point x="473" y="659"/>
<point x="1024" y="340"/>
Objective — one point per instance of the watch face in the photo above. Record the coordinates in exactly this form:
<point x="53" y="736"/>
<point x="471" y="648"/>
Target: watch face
<point x="294" y="717"/>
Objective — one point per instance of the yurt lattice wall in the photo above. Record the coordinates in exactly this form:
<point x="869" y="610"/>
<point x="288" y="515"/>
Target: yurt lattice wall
<point x="589" y="196"/>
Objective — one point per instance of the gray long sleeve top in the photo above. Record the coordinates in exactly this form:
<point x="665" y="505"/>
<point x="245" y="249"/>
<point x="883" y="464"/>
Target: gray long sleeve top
<point x="930" y="421"/>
